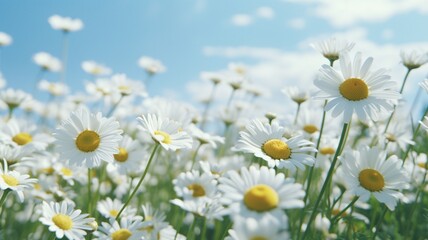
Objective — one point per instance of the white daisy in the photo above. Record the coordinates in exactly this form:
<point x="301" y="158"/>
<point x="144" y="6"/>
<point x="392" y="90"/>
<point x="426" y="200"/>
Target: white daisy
<point x="15" y="181"/>
<point x="86" y="139"/>
<point x="424" y="123"/>
<point x="129" y="229"/>
<point x="5" y="39"/>
<point x="413" y="59"/>
<point x="332" y="47"/>
<point x="205" y="138"/>
<point x="47" y="62"/>
<point x="53" y="88"/>
<point x="297" y="95"/>
<point x="166" y="132"/>
<point x="13" y="98"/>
<point x="259" y="192"/>
<point x="267" y="142"/>
<point x="95" y="68"/>
<point x="368" y="173"/>
<point x="65" y="221"/>
<point x="125" y="86"/>
<point x="129" y="157"/>
<point x="65" y="24"/>
<point x="356" y="89"/>
<point x="253" y="228"/>
<point x="150" y="65"/>
<point x="110" y="208"/>
<point x="192" y="185"/>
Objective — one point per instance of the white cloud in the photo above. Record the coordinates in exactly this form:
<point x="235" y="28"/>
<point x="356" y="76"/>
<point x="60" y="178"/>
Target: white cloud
<point x="242" y="20"/>
<point x="345" y="13"/>
<point x="276" y="69"/>
<point x="265" y="12"/>
<point x="297" y="23"/>
<point x="387" y="34"/>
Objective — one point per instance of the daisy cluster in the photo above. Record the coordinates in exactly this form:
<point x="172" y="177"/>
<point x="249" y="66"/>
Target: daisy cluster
<point x="116" y="162"/>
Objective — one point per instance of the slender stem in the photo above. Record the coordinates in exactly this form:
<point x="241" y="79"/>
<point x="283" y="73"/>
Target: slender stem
<point x="207" y="106"/>
<point x="97" y="193"/>
<point x="89" y="191"/>
<point x="230" y="99"/>
<point x="64" y="56"/>
<point x="113" y="108"/>
<point x="328" y="178"/>
<point x="415" y="134"/>
<point x="336" y="218"/>
<point x="297" y="113"/>
<point x="180" y="223"/>
<point x="311" y="170"/>
<point x="418" y="95"/>
<point x="194" y="156"/>
<point x="139" y="183"/>
<point x="379" y="221"/>
<point x="204" y="229"/>
<point x="192" y="228"/>
<point x="401" y="91"/>
<point x="3" y="196"/>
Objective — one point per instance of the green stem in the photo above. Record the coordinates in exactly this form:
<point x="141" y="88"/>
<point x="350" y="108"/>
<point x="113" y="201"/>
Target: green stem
<point x="192" y="228"/>
<point x="207" y="107"/>
<point x="89" y="191"/>
<point x="3" y="197"/>
<point x="379" y="221"/>
<point x="180" y="223"/>
<point x="194" y="156"/>
<point x="337" y="217"/>
<point x="230" y="99"/>
<point x="415" y="134"/>
<point x="328" y="178"/>
<point x="204" y="229"/>
<point x="311" y="170"/>
<point x="139" y="183"/>
<point x="113" y="108"/>
<point x="97" y="193"/>
<point x="401" y="91"/>
<point x="297" y="113"/>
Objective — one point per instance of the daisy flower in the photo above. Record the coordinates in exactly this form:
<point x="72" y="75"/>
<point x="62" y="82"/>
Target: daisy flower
<point x="398" y="136"/>
<point x="65" y="221"/>
<point x="5" y="39"/>
<point x="128" y="159"/>
<point x="424" y="123"/>
<point x="65" y="24"/>
<point x="166" y="132"/>
<point x="413" y="59"/>
<point x="13" y="98"/>
<point x="53" y="88"/>
<point x="128" y="228"/>
<point x="95" y="68"/>
<point x="14" y="181"/>
<point x="267" y="142"/>
<point x="205" y="138"/>
<point x="297" y="95"/>
<point x="110" y="208"/>
<point x="368" y="173"/>
<point x="47" y="62"/>
<point x="356" y="89"/>
<point x="192" y="185"/>
<point x="154" y="221"/>
<point x="86" y="139"/>
<point x="259" y="192"/>
<point x="150" y="65"/>
<point x="332" y="47"/>
<point x="252" y="228"/>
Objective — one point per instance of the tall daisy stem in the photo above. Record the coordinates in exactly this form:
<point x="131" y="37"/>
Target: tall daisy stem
<point x="328" y="178"/>
<point x="415" y="134"/>
<point x="207" y="106"/>
<point x="339" y="215"/>
<point x="379" y="221"/>
<point x="297" y="113"/>
<point x="113" y="108"/>
<point x="401" y="91"/>
<point x="311" y="173"/>
<point x="194" y="156"/>
<point x="139" y="183"/>
<point x="89" y="191"/>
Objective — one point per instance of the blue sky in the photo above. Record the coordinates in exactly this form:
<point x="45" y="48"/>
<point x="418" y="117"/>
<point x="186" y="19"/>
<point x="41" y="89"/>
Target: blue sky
<point x="117" y="33"/>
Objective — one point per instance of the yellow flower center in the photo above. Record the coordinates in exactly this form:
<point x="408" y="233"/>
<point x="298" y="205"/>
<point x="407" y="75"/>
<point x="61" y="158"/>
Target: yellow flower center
<point x="22" y="138"/>
<point x="276" y="149"/>
<point x="113" y="212"/>
<point x="258" y="238"/>
<point x="122" y="156"/>
<point x="121" y="234"/>
<point x="197" y="190"/>
<point x="371" y="180"/>
<point x="261" y="198"/>
<point x="62" y="221"/>
<point x="309" y="128"/>
<point x="10" y="180"/>
<point x="336" y="211"/>
<point x="166" y="136"/>
<point x="390" y="137"/>
<point x="88" y="141"/>
<point x="422" y="165"/>
<point x="354" y="89"/>
<point x="327" y="151"/>
<point x="66" y="172"/>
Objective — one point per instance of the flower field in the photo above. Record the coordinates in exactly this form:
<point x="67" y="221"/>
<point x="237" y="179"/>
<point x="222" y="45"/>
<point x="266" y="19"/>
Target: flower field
<point x="118" y="162"/>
